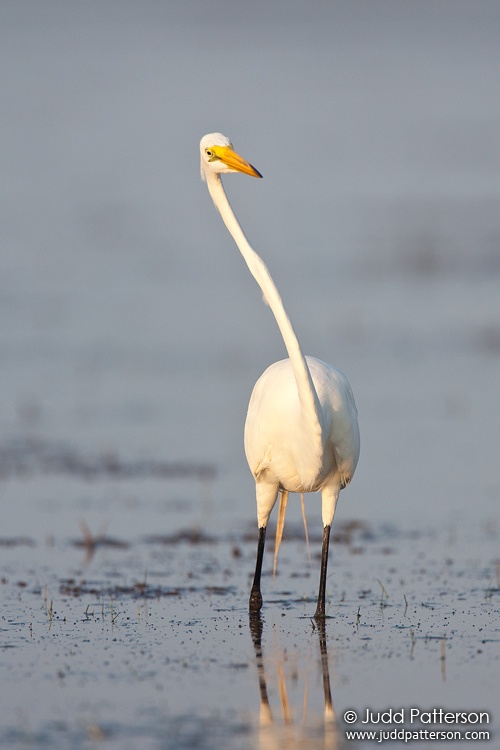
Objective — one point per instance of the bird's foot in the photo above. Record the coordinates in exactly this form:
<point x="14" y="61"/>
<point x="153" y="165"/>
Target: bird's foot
<point x="255" y="603"/>
<point x="320" y="615"/>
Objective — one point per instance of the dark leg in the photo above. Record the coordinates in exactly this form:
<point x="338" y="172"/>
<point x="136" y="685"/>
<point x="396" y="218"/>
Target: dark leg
<point x="256" y="628"/>
<point x="329" y="713"/>
<point x="255" y="595"/>
<point x="320" y="609"/>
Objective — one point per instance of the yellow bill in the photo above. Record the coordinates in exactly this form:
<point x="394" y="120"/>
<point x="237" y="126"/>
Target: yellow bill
<point x="234" y="161"/>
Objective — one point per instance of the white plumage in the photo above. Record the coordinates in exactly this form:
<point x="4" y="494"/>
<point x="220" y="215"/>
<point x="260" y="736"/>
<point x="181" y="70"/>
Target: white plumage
<point x="301" y="430"/>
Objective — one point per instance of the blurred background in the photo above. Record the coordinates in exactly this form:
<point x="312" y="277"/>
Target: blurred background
<point x="129" y="324"/>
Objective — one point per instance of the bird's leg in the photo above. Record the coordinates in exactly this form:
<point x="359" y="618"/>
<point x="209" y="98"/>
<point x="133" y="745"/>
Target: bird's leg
<point x="329" y="712"/>
<point x="320" y="609"/>
<point x="255" y="595"/>
<point x="256" y="629"/>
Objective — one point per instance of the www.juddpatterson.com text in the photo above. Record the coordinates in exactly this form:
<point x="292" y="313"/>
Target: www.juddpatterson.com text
<point x="416" y="716"/>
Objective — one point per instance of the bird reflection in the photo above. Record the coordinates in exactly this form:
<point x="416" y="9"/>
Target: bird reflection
<point x="283" y="732"/>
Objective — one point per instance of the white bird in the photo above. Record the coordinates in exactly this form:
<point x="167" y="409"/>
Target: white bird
<point x="301" y="430"/>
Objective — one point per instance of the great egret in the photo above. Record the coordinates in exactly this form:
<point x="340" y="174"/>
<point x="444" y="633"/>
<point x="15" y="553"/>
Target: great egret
<point x="301" y="430"/>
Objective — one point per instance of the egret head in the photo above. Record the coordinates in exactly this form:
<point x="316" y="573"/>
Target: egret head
<point x="218" y="157"/>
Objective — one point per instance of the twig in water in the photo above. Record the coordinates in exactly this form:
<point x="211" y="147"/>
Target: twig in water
<point x="443" y="659"/>
<point x="384" y="595"/>
<point x="412" y="643"/>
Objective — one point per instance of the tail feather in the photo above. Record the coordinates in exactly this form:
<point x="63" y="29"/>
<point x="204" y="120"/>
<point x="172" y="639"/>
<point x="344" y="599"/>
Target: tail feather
<point x="280" y="525"/>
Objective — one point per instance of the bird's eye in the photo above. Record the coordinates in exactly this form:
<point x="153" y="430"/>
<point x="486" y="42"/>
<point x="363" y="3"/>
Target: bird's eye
<point x="210" y="154"/>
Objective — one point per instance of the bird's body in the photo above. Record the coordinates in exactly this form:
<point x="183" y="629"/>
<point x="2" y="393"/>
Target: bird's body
<point x="301" y="431"/>
<point x="278" y="443"/>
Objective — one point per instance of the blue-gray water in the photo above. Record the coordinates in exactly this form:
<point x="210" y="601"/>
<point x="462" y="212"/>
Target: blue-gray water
<point x="129" y="325"/>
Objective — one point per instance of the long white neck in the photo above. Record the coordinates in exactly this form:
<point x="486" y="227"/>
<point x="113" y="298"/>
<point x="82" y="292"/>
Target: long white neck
<point x="311" y="409"/>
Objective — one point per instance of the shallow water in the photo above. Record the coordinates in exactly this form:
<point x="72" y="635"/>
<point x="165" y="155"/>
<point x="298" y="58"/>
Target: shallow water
<point x="131" y="336"/>
<point x="146" y="641"/>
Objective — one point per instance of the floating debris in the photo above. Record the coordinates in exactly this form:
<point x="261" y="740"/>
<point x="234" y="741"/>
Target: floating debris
<point x="17" y="541"/>
<point x="183" y="536"/>
<point x="28" y="457"/>
<point x="139" y="589"/>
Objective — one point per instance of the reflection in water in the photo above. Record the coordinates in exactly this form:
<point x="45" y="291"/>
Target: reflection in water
<point x="284" y="733"/>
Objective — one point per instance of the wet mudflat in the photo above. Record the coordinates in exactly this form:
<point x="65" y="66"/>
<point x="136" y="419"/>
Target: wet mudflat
<point x="143" y="640"/>
<point x="131" y="336"/>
